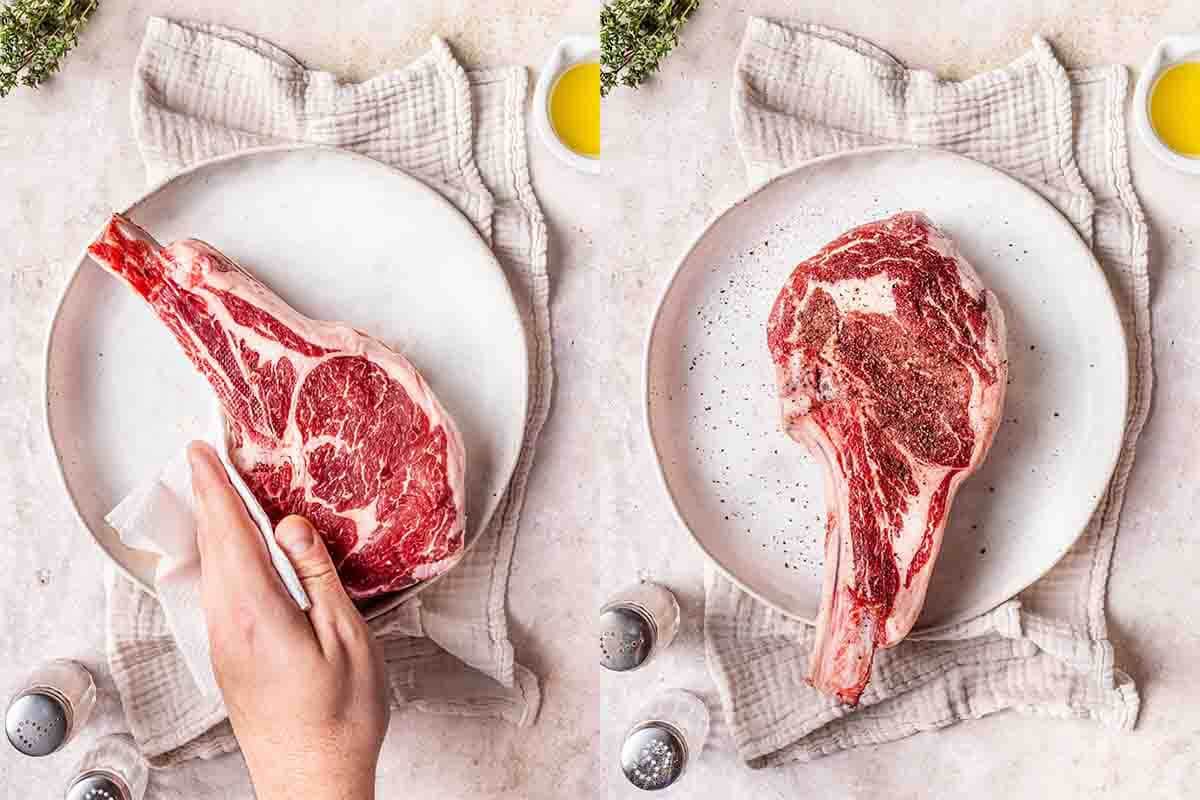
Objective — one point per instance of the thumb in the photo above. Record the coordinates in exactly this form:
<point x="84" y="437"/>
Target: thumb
<point x="306" y="551"/>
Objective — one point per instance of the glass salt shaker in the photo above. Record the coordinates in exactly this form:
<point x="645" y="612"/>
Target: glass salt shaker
<point x="112" y="770"/>
<point x="636" y="624"/>
<point x="51" y="709"/>
<point x="669" y="732"/>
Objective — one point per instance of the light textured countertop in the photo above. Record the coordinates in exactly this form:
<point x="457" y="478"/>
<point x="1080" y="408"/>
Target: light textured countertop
<point x="595" y="517"/>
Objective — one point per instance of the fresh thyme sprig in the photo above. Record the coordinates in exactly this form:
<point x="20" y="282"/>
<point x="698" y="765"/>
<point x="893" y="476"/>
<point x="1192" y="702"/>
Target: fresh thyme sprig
<point x="35" y="35"/>
<point x="635" y="36"/>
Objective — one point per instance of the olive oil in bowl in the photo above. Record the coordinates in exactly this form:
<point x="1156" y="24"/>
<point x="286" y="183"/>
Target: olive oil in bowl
<point x="566" y="103"/>
<point x="1175" y="108"/>
<point x="575" y="108"/>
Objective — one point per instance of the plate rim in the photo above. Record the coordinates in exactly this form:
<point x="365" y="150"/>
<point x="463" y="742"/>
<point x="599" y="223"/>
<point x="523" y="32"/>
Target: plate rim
<point x="1110" y="307"/>
<point x="384" y="603"/>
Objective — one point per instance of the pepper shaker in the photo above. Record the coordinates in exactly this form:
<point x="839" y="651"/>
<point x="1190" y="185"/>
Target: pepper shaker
<point x="669" y="732"/>
<point x="636" y="624"/>
<point x="51" y="709"/>
<point x="112" y="770"/>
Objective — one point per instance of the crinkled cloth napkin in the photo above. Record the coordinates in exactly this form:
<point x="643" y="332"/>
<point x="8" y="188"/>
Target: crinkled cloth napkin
<point x="202" y="91"/>
<point x="804" y="91"/>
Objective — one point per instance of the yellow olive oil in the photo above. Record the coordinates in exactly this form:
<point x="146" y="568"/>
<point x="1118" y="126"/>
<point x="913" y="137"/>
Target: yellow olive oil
<point x="1175" y="108"/>
<point x="575" y="108"/>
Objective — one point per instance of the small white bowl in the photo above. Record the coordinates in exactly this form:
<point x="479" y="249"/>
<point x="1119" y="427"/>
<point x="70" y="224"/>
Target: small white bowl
<point x="1168" y="52"/>
<point x="566" y="54"/>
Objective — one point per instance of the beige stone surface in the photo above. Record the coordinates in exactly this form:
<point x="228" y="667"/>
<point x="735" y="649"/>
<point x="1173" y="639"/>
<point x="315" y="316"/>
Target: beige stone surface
<point x="595" y="517"/>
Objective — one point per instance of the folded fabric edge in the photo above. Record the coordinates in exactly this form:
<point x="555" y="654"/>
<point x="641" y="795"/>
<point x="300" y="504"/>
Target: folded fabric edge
<point x="772" y="32"/>
<point x="541" y="376"/>
<point x="519" y="708"/>
<point x="465" y="134"/>
<point x="1141" y="355"/>
<point x="519" y="189"/>
<point x="119" y="589"/>
<point x="179" y="33"/>
<point x="1068" y="165"/>
<point x="1115" y="707"/>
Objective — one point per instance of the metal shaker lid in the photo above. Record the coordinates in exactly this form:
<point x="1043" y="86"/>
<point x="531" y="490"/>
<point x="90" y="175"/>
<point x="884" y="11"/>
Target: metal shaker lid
<point x="627" y="635"/>
<point x="654" y="755"/>
<point x="37" y="723"/>
<point x="98" y="785"/>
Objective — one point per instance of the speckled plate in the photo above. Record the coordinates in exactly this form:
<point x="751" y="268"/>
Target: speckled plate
<point x="753" y="499"/>
<point x="340" y="237"/>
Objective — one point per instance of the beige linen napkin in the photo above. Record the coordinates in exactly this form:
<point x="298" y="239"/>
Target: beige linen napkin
<point x="804" y="91"/>
<point x="202" y="91"/>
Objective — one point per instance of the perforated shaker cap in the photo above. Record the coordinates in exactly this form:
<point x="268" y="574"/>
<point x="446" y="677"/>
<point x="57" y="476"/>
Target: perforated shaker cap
<point x="654" y="755"/>
<point x="627" y="636"/>
<point x="98" y="785"/>
<point x="37" y="723"/>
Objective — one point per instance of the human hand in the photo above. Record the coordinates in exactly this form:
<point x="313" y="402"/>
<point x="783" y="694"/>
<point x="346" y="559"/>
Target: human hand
<point x="306" y="694"/>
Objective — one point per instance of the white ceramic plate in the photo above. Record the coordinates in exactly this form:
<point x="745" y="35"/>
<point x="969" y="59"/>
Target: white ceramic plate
<point x="753" y="499"/>
<point x="340" y="237"/>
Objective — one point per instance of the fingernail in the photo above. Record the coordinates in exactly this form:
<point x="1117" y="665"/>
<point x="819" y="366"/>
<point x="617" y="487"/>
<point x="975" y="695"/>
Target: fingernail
<point x="295" y="535"/>
<point x="200" y="469"/>
<point x="197" y="454"/>
<point x="193" y="454"/>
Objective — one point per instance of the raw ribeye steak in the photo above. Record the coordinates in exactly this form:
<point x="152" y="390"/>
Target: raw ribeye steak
<point x="324" y="421"/>
<point x="890" y="360"/>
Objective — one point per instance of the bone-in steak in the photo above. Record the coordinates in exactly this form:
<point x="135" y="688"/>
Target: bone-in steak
<point x="890" y="360"/>
<point x="324" y="420"/>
